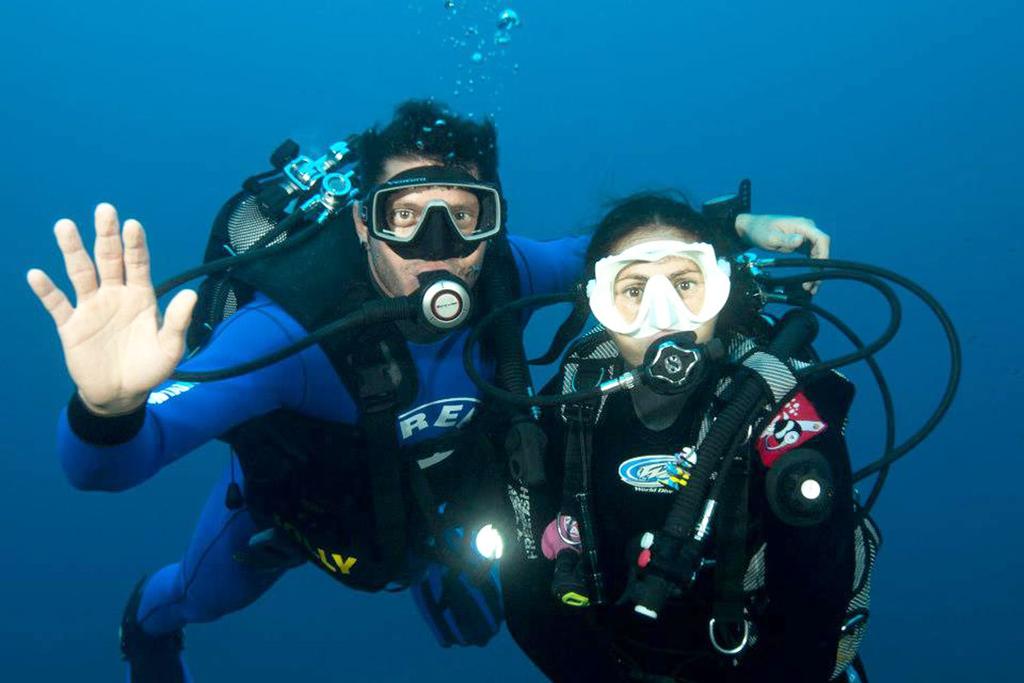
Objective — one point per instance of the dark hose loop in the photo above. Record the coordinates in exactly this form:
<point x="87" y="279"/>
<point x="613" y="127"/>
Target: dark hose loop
<point x="498" y="394"/>
<point x="883" y="390"/>
<point x="947" y="327"/>
<point x="895" y="308"/>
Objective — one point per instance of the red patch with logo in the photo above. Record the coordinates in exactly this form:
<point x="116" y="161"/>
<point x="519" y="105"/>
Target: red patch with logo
<point x="796" y="424"/>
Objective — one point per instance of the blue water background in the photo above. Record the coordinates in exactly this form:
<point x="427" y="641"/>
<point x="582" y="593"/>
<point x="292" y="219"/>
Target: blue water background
<point x="897" y="126"/>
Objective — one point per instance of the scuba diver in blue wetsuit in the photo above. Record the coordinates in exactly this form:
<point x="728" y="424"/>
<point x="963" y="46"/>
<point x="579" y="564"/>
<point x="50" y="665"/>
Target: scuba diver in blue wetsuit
<point x="325" y="349"/>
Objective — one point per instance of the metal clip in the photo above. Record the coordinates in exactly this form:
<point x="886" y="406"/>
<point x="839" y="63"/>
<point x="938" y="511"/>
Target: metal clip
<point x="729" y="651"/>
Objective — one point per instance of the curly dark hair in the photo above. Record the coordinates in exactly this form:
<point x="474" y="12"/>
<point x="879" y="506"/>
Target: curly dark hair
<point x="428" y="129"/>
<point x="741" y="314"/>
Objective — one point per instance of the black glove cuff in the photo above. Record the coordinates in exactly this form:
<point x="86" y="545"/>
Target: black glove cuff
<point x="101" y="430"/>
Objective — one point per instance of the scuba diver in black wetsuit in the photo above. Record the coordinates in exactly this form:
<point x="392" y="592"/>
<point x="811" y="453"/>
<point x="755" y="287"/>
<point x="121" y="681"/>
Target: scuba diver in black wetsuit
<point x="430" y="213"/>
<point x="703" y="521"/>
<point x="658" y="274"/>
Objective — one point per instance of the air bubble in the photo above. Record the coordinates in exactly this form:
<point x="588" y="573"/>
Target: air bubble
<point x="508" y="20"/>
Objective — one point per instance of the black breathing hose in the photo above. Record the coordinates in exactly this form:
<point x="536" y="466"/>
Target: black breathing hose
<point x="883" y="390"/>
<point x="951" y="338"/>
<point x="511" y="368"/>
<point x="377" y="311"/>
<point x="498" y="394"/>
<point x="256" y="252"/>
<point x="895" y="316"/>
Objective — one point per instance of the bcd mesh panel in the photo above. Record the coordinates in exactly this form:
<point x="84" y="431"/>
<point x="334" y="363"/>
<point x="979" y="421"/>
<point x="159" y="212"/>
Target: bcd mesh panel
<point x="219" y="295"/>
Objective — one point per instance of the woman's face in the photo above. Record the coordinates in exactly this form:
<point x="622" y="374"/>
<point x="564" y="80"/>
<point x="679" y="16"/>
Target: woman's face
<point x="683" y="273"/>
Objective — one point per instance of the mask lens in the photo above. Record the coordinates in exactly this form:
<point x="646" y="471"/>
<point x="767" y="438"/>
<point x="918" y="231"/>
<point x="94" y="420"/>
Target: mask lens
<point x="402" y="216"/>
<point x="400" y="213"/>
<point x="464" y="213"/>
<point x="628" y="293"/>
<point x="657" y="286"/>
<point x="688" y="283"/>
<point x="657" y="289"/>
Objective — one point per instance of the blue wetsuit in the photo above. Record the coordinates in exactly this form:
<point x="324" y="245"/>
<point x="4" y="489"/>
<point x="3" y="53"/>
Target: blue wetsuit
<point x="208" y="582"/>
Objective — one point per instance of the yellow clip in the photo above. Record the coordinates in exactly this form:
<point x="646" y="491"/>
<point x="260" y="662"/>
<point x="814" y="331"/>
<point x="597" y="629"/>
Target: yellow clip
<point x="574" y="599"/>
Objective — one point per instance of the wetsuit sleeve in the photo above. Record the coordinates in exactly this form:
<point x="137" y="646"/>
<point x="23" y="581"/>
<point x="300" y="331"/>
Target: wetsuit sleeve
<point x="551" y="266"/>
<point x="112" y="454"/>
<point x="809" y="570"/>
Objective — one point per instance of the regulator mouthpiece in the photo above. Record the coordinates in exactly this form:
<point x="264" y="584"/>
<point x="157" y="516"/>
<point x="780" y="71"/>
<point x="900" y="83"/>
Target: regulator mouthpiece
<point x="445" y="301"/>
<point x="677" y="364"/>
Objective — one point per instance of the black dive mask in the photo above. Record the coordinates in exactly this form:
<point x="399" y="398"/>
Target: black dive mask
<point x="677" y="365"/>
<point x="416" y="226"/>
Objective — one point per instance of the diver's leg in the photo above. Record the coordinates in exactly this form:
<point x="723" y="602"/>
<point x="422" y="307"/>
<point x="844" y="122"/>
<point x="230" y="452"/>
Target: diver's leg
<point x="207" y="584"/>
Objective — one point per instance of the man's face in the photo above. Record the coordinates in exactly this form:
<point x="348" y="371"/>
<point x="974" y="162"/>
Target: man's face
<point x="397" y="276"/>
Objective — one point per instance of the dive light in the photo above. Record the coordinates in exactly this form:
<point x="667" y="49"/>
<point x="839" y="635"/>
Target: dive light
<point x="489" y="543"/>
<point x="799" y="488"/>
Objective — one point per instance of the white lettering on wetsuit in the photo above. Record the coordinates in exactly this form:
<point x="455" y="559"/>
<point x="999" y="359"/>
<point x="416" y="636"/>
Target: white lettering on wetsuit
<point x="440" y="415"/>
<point x="443" y="414"/>
<point x="169" y="392"/>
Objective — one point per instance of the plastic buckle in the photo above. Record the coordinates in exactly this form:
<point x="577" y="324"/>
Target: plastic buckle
<point x="574" y="599"/>
<point x="376" y="389"/>
<point x="580" y="413"/>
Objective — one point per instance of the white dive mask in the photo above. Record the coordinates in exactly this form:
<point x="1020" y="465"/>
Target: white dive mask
<point x="661" y="309"/>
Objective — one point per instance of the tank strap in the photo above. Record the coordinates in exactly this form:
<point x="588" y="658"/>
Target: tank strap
<point x="729" y="619"/>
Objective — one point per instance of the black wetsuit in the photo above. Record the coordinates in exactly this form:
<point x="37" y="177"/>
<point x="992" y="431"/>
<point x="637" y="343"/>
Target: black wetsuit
<point x="808" y="570"/>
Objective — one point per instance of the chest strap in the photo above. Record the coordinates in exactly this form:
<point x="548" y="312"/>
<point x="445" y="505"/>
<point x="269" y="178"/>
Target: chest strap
<point x="377" y="398"/>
